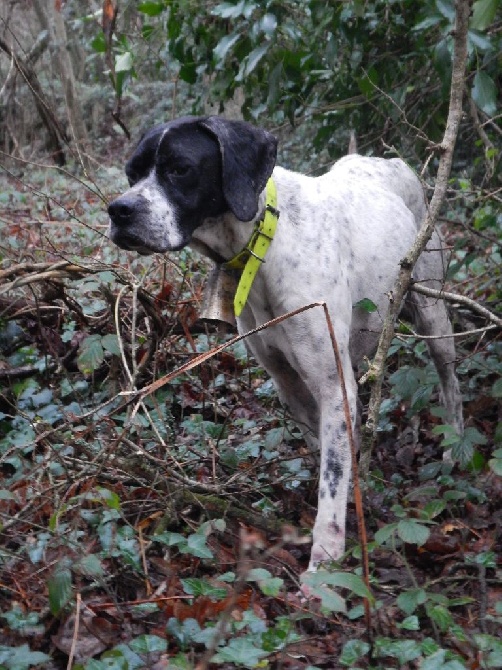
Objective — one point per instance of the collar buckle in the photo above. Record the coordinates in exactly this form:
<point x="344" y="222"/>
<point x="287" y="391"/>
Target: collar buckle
<point x="253" y="255"/>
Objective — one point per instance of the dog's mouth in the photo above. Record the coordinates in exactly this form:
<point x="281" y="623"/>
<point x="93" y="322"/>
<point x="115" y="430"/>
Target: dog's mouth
<point x="142" y="251"/>
<point x="130" y="242"/>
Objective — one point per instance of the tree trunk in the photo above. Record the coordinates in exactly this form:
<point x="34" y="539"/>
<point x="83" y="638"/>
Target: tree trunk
<point x="55" y="134"/>
<point x="51" y="19"/>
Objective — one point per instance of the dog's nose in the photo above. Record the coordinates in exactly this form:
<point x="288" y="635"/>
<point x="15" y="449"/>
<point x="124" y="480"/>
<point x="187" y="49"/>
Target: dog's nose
<point x="122" y="209"/>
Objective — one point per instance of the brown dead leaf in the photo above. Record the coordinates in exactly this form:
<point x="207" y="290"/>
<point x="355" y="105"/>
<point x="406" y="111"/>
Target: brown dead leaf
<point x="203" y="609"/>
<point x="440" y="543"/>
<point x="95" y="634"/>
<point x="108" y="16"/>
<point x="251" y="538"/>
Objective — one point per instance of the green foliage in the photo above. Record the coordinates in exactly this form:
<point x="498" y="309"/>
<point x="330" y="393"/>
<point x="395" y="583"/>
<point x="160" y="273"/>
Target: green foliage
<point x="59" y="586"/>
<point x="242" y="652"/>
<point x="21" y="658"/>
<point x="92" y="351"/>
<point x="270" y="586"/>
<point x="340" y="64"/>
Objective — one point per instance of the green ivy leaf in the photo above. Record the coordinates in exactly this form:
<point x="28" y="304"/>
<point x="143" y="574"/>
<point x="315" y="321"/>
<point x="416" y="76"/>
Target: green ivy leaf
<point x="408" y="601"/>
<point x="484" y="93"/>
<point x="110" y="498"/>
<point x="201" y="587"/>
<point x="402" y="650"/>
<point x="89" y="565"/>
<point x="330" y="599"/>
<point x="320" y="582"/>
<point x="240" y="651"/>
<point x="497" y="388"/>
<point x="410" y="623"/>
<point x="184" y="632"/>
<point x="352" y="652"/>
<point x="60" y="588"/>
<point x="151" y="8"/>
<point x="147" y="644"/>
<point x="483" y="14"/>
<point x="110" y="343"/>
<point x="110" y="660"/>
<point x="367" y="305"/>
<point x="496" y="463"/>
<point x="170" y="539"/>
<point x="91" y="354"/>
<point x="257" y="574"/>
<point x="196" y="545"/>
<point x="21" y="658"/>
<point x="269" y="585"/>
<point x="272" y="586"/>
<point x="412" y="532"/>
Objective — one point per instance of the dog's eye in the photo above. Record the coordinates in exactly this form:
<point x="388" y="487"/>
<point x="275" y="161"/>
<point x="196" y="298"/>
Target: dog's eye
<point x="179" y="170"/>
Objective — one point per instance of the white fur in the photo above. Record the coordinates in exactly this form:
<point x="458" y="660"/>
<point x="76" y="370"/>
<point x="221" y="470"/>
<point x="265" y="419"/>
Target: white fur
<point x="339" y="239"/>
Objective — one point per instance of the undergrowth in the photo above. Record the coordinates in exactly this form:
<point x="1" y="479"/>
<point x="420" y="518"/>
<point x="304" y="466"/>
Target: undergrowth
<point x="170" y="529"/>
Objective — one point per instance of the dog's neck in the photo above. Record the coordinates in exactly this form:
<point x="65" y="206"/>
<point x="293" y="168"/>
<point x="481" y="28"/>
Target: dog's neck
<point x="221" y="238"/>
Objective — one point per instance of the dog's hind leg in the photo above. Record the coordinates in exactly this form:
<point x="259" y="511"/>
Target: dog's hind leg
<point x="431" y="319"/>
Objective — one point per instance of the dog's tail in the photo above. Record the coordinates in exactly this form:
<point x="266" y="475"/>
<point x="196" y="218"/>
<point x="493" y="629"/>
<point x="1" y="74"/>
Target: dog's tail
<point x="352" y="143"/>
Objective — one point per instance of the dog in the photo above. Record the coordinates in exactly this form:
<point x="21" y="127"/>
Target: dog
<point x="200" y="181"/>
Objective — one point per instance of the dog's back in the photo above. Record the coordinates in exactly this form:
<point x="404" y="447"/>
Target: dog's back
<point x="390" y="174"/>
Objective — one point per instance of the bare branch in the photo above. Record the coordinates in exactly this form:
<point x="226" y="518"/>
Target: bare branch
<point x="376" y="369"/>
<point x="456" y="297"/>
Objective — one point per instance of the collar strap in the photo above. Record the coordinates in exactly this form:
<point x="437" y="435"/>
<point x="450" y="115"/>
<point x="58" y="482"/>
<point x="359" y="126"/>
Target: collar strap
<point x="253" y="255"/>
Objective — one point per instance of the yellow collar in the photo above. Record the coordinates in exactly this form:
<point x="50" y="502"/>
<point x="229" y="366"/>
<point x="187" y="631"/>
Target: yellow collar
<point x="253" y="255"/>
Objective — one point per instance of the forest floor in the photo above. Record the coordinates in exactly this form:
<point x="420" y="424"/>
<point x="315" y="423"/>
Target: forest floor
<point x="171" y="532"/>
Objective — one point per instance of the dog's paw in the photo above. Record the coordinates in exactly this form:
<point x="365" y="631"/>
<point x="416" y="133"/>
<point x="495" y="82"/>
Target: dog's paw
<point x="328" y="545"/>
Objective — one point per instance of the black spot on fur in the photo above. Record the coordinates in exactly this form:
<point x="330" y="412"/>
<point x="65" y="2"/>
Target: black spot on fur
<point x="333" y="472"/>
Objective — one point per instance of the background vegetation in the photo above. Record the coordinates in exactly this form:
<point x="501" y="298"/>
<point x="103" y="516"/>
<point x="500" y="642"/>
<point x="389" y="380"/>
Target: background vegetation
<point x="171" y="533"/>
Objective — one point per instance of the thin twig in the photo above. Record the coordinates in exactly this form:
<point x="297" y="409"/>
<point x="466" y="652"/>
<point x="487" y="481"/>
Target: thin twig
<point x="71" y="656"/>
<point x="361" y="526"/>
<point x="465" y="333"/>
<point x="456" y="297"/>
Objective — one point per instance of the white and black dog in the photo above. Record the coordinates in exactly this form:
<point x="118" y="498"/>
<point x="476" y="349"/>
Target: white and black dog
<point x="339" y="239"/>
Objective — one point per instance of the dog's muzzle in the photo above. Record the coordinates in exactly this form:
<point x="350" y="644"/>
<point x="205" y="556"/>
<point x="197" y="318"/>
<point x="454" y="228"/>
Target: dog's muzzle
<point x="125" y="214"/>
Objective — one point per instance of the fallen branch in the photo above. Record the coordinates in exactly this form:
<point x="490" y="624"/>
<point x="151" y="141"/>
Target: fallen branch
<point x="32" y="273"/>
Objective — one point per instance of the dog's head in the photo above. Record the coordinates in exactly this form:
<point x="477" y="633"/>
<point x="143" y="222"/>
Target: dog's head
<point x="185" y="172"/>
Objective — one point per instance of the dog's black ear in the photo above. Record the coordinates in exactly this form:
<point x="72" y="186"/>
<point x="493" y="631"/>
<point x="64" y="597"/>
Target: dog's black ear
<point x="248" y="157"/>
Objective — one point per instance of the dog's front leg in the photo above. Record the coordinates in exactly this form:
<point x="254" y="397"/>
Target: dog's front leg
<point x="334" y="479"/>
